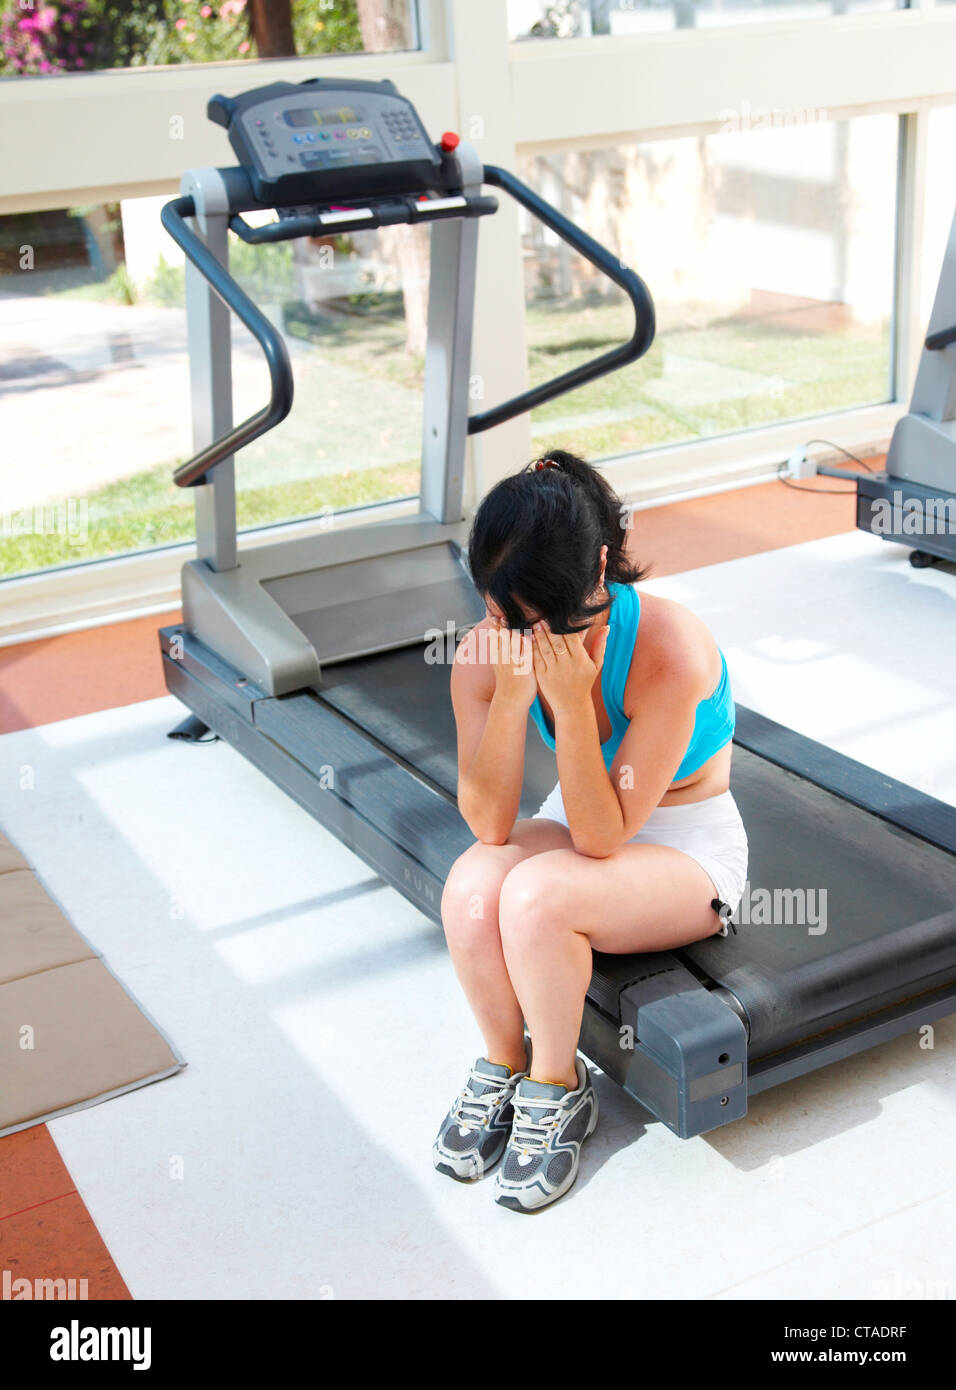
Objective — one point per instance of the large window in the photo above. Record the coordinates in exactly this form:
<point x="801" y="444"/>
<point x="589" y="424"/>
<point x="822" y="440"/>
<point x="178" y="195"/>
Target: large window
<point x="769" y="251"/>
<point x="94" y="380"/>
<point x="50" y="36"/>
<point x="564" y="19"/>
<point x="769" y="240"/>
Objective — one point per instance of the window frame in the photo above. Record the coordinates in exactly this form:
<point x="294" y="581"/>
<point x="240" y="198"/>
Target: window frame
<point x="500" y="94"/>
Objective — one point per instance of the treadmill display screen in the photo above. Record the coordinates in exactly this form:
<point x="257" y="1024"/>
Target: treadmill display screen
<point x="332" y="115"/>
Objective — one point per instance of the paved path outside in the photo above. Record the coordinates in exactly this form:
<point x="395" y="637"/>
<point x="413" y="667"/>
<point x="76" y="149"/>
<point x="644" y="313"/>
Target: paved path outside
<point x="91" y="393"/>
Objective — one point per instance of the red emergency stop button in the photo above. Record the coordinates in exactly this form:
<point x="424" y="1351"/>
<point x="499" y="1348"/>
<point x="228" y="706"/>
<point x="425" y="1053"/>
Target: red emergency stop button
<point x="449" y="140"/>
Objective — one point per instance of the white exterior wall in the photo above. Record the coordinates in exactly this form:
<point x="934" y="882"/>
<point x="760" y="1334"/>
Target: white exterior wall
<point x="128" y="135"/>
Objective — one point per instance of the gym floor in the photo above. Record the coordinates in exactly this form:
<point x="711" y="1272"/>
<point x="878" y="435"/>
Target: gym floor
<point x="325" y="1031"/>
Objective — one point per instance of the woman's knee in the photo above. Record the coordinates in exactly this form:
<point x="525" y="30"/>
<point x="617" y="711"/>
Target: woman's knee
<point x="469" y="905"/>
<point x="534" y="898"/>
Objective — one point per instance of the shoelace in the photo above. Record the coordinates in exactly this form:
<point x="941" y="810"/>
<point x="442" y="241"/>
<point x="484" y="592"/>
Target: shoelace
<point x="532" y="1135"/>
<point x="471" y="1110"/>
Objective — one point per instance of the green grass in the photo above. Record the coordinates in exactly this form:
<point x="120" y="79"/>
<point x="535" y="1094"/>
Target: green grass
<point x="149" y="510"/>
<point x="115" y="290"/>
<point x="819" y="371"/>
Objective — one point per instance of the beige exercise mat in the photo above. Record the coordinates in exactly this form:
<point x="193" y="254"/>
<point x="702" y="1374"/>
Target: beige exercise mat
<point x="70" y="1034"/>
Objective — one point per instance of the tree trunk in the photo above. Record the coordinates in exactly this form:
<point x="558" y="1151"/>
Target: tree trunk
<point x="103" y="233"/>
<point x="270" y="24"/>
<point x="384" y="26"/>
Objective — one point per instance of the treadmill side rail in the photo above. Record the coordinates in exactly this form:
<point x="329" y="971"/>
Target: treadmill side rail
<point x="679" y="1049"/>
<point x="689" y="1063"/>
<point x="292" y="745"/>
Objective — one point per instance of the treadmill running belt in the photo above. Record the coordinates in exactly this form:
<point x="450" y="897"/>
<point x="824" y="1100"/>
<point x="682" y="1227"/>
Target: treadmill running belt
<point x="886" y="901"/>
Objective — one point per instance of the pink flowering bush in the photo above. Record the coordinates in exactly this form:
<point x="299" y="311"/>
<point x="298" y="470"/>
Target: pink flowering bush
<point x="86" y="35"/>
<point x="52" y="38"/>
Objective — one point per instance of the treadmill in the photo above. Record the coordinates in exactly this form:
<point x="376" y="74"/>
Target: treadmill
<point x="326" y="660"/>
<point x="912" y="501"/>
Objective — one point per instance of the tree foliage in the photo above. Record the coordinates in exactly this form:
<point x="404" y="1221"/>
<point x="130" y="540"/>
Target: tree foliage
<point x="87" y="35"/>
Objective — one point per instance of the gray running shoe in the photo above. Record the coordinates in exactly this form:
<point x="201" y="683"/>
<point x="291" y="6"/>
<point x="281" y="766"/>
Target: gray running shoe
<point x="475" y="1131"/>
<point x="550" y="1125"/>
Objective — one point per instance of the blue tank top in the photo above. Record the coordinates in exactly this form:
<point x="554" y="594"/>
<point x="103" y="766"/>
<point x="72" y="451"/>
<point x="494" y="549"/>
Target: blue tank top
<point x="716" y="715"/>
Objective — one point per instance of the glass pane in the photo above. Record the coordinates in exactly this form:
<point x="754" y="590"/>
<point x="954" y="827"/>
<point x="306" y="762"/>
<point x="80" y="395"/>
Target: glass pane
<point x="940" y="201"/>
<point x="94" y="380"/>
<point x="94" y="386"/>
<point x="357" y="344"/>
<point x="86" y="35"/>
<point x="566" y="19"/>
<point x="770" y="258"/>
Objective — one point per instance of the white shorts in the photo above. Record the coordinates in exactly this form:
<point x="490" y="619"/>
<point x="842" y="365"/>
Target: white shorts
<point x="710" y="831"/>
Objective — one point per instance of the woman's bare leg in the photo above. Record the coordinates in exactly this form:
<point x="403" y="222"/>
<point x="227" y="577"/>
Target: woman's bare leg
<point x="469" y="910"/>
<point x="556" y="907"/>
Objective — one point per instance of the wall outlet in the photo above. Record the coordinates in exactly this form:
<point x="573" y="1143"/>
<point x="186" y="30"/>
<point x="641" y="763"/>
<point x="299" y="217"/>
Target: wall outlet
<point x="798" y="465"/>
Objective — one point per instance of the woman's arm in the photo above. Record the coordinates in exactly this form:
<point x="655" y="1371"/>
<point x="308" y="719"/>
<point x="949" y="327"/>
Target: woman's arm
<point x="651" y="751"/>
<point x="605" y="811"/>
<point x="595" y="816"/>
<point x="492" y="688"/>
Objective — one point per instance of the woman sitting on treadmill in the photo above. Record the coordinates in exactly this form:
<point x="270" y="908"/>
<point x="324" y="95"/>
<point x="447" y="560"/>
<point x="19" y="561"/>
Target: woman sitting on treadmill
<point x="640" y="846"/>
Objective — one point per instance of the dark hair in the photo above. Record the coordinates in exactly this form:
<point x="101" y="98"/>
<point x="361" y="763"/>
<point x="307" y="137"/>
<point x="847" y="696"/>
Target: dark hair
<point x="537" y="536"/>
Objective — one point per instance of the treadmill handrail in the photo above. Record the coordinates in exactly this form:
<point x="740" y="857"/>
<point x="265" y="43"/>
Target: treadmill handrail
<point x="942" y="339"/>
<point x="265" y="333"/>
<point x="629" y="281"/>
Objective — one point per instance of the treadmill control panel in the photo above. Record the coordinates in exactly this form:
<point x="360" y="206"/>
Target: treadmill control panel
<point x="326" y="137"/>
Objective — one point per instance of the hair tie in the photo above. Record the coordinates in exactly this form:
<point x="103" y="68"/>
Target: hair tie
<point x="545" y="463"/>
